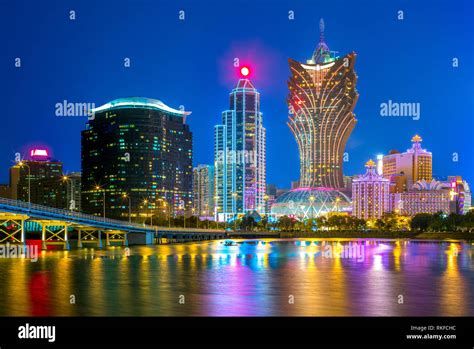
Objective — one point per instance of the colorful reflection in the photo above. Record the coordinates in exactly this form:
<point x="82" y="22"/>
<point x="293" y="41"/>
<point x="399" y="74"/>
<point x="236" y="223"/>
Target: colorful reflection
<point x="306" y="277"/>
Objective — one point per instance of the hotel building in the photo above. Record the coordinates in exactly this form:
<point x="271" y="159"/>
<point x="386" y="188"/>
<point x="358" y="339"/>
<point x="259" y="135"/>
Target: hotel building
<point x="415" y="163"/>
<point x="370" y="194"/>
<point x="322" y="97"/>
<point x="137" y="155"/>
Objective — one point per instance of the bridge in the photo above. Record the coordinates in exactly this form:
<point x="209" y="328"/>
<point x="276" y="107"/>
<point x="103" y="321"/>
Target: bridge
<point x="56" y="226"/>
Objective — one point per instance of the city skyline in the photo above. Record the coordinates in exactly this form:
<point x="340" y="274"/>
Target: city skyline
<point x="38" y="119"/>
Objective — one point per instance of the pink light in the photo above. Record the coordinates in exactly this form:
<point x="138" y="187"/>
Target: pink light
<point x="39" y="153"/>
<point x="453" y="184"/>
<point x="313" y="188"/>
<point x="244" y="71"/>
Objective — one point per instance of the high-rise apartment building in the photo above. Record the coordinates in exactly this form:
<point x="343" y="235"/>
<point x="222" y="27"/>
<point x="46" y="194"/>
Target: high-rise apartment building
<point x="203" y="190"/>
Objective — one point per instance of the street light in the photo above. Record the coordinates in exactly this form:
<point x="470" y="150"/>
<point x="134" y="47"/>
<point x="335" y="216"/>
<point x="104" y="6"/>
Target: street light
<point x="182" y="206"/>
<point x="197" y="217"/>
<point x="21" y="164"/>
<point x="103" y="198"/>
<point x="72" y="203"/>
<point x="168" y="212"/>
<point x="125" y="196"/>
<point x="145" y="202"/>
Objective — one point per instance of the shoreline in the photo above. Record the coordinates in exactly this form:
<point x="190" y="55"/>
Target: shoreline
<point x="426" y="236"/>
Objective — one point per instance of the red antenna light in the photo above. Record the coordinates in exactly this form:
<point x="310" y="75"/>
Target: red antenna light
<point x="244" y="71"/>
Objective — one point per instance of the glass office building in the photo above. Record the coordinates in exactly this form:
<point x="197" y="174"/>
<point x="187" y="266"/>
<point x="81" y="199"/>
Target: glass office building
<point x="239" y="155"/>
<point x="137" y="155"/>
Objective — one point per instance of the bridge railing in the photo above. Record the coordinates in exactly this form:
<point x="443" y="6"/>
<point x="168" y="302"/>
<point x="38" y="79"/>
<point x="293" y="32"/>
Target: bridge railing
<point x="68" y="213"/>
<point x="74" y="214"/>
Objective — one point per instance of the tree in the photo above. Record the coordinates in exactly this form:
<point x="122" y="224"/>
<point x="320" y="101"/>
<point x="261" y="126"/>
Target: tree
<point x="247" y="223"/>
<point x="421" y="222"/>
<point x="286" y="223"/>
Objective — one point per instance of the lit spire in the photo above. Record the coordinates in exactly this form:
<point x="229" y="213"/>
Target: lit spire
<point x="321" y="54"/>
<point x="416" y="139"/>
<point x="370" y="164"/>
<point x="321" y="30"/>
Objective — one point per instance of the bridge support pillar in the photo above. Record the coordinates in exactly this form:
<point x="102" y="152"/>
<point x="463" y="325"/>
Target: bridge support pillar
<point x="66" y="246"/>
<point x="99" y="242"/>
<point x="107" y="239"/>
<point x="79" y="238"/>
<point x="125" y="239"/>
<point x="43" y="237"/>
<point x="23" y="232"/>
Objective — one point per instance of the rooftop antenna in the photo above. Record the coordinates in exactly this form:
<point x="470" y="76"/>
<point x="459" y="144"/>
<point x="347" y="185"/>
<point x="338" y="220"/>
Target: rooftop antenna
<point x="321" y="30"/>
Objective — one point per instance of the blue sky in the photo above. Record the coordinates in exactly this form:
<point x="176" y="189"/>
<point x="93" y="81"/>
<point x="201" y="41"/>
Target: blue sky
<point x="190" y="63"/>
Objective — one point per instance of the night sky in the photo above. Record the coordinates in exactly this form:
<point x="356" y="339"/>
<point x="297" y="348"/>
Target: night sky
<point x="190" y="63"/>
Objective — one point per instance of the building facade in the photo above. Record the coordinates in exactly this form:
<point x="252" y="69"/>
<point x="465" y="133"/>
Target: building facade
<point x="203" y="190"/>
<point x="422" y="201"/>
<point x="416" y="163"/>
<point x="370" y="194"/>
<point x="73" y="181"/>
<point x="239" y="155"/>
<point x="322" y="97"/>
<point x="38" y="179"/>
<point x="460" y="194"/>
<point x="137" y="156"/>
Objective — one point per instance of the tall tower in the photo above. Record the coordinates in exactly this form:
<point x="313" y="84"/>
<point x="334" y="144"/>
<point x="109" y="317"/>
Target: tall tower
<point x="322" y="97"/>
<point x="239" y="154"/>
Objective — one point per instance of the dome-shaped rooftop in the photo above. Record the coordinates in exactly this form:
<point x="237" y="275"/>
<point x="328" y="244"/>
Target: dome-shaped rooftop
<point x="310" y="202"/>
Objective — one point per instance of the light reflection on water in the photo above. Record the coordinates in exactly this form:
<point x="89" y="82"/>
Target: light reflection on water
<point x="250" y="279"/>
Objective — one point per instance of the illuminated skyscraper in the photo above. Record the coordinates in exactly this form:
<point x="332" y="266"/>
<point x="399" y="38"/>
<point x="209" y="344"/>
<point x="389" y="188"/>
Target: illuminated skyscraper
<point x="137" y="155"/>
<point x="203" y="190"/>
<point x="322" y="98"/>
<point x="239" y="161"/>
<point x="39" y="180"/>
<point x="370" y="194"/>
<point x="415" y="163"/>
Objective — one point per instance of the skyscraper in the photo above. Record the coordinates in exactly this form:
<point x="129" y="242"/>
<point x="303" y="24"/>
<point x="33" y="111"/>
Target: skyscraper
<point x="321" y="101"/>
<point x="137" y="155"/>
<point x="370" y="194"/>
<point x="415" y="163"/>
<point x="322" y="97"/>
<point x="239" y="154"/>
<point x="203" y="190"/>
<point x="38" y="180"/>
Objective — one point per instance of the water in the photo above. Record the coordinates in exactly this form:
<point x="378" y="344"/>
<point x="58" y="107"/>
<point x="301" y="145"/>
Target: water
<point x="289" y="277"/>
